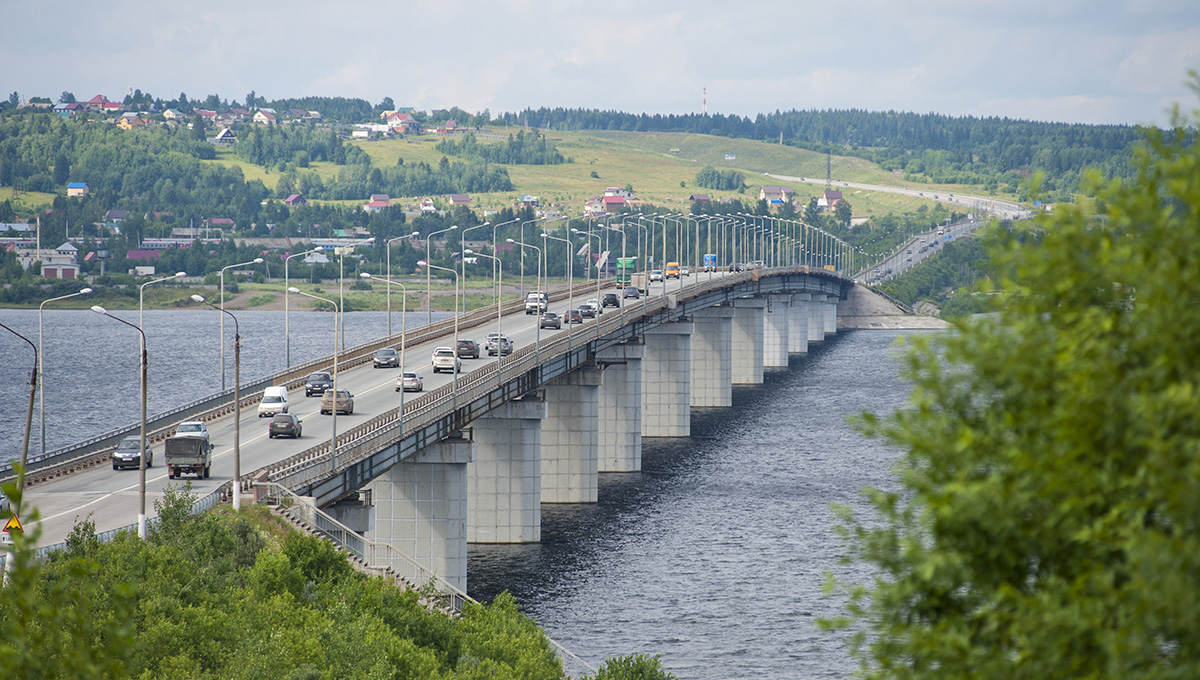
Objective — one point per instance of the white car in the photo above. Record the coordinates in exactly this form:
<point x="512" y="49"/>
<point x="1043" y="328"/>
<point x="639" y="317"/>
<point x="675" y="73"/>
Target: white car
<point x="596" y="306"/>
<point x="410" y="382"/>
<point x="192" y="428"/>
<point x="656" y="275"/>
<point x="498" y="343"/>
<point x="444" y="360"/>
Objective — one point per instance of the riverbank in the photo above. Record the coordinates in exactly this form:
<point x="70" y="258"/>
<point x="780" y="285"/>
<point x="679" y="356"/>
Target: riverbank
<point x="864" y="309"/>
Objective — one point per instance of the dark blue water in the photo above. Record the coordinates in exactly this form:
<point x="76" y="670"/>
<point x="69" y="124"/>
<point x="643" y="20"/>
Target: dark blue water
<point x="92" y="365"/>
<point x="714" y="555"/>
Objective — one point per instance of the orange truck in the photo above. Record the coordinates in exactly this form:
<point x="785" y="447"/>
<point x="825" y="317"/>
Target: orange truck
<point x="672" y="270"/>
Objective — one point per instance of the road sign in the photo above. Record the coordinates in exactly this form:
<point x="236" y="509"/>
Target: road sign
<point x="14" y="525"/>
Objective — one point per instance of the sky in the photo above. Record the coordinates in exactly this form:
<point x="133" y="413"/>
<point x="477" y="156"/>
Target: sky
<point x="1102" y="61"/>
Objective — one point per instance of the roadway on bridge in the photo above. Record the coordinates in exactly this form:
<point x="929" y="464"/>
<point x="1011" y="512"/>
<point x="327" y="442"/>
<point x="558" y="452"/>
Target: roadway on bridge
<point x="109" y="498"/>
<point x="1009" y="210"/>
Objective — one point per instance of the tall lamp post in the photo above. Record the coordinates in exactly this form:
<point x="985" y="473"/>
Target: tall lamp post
<point x="600" y="241"/>
<point x="287" y="335"/>
<point x="257" y="260"/>
<point x="499" y="314"/>
<point x="428" y="291"/>
<point x="333" y="441"/>
<point x="41" y="368"/>
<point x="141" y="519"/>
<point x="570" y="280"/>
<point x="454" y="389"/>
<point x="463" y="241"/>
<point x="403" y="332"/>
<point x="237" y="403"/>
<point x="33" y="378"/>
<point x="496" y="252"/>
<point x="388" y="246"/>
<point x="537" y="338"/>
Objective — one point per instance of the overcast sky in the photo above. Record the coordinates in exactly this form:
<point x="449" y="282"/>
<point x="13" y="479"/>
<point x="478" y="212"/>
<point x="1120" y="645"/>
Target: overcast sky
<point x="1100" y="61"/>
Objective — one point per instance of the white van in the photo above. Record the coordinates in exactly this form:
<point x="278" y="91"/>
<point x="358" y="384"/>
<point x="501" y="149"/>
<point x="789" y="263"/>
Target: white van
<point x="274" y="401"/>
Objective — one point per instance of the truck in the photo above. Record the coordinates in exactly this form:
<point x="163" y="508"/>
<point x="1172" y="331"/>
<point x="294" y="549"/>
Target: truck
<point x="536" y="303"/>
<point x="188" y="455"/>
<point x="710" y="262"/>
<point x="638" y="281"/>
<point x="672" y="271"/>
<point x="626" y="266"/>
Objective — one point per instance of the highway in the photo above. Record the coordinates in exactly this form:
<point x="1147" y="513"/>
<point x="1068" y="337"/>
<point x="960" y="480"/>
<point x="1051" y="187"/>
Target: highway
<point x="1003" y="209"/>
<point x="109" y="498"/>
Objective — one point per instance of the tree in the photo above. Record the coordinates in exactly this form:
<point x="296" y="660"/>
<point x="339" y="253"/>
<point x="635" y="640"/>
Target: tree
<point x="62" y="169"/>
<point x="1047" y="517"/>
<point x="843" y="212"/>
<point x="66" y="97"/>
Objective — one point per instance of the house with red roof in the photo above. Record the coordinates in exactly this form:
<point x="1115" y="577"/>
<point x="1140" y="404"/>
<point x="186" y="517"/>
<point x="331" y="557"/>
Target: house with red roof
<point x="295" y="199"/>
<point x="262" y="117"/>
<point x="459" y="199"/>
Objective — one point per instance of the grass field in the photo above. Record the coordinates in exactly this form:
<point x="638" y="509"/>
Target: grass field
<point x="661" y="167"/>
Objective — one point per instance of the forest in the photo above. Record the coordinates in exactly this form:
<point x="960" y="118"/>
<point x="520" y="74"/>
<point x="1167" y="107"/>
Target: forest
<point x="520" y="149"/>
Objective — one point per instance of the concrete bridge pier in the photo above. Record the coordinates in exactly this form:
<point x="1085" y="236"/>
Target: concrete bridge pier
<point x="831" y="305"/>
<point x="620" y="430"/>
<point x="748" y="340"/>
<point x="816" y="318"/>
<point x="504" y="482"/>
<point x="798" y="323"/>
<point x="421" y="508"/>
<point x="667" y="381"/>
<point x="712" y="357"/>
<point x="775" y="331"/>
<point x="570" y="460"/>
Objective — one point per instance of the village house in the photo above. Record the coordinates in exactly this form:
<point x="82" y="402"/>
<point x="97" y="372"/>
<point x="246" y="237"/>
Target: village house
<point x="775" y="195"/>
<point x="130" y="121"/>
<point x="377" y="203"/>
<point x="77" y="190"/>
<point x="699" y="198"/>
<point x="224" y="138"/>
<point x="830" y="198"/>
<point x="295" y="199"/>
<point x="59" y="263"/>
<point x="459" y="199"/>
<point x="262" y="117"/>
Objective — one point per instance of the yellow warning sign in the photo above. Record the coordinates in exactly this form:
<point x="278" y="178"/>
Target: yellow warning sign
<point x="14" y="525"/>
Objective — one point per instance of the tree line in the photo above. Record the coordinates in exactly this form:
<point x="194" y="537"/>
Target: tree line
<point x="520" y="149"/>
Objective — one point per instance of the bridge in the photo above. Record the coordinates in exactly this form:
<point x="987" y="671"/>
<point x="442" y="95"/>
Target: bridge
<point x="473" y="458"/>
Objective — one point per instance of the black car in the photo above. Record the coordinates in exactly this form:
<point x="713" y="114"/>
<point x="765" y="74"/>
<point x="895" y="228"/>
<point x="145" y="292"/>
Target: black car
<point x="610" y="300"/>
<point x="468" y="349"/>
<point x="587" y="311"/>
<point x="386" y="358"/>
<point x="573" y="316"/>
<point x="284" y="425"/>
<point x="632" y="292"/>
<point x="129" y="454"/>
<point x="317" y="383"/>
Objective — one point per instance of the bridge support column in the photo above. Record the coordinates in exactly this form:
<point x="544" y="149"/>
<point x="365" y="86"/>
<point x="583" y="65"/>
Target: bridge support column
<point x="620" y="431"/>
<point x="831" y="303"/>
<point x="775" y="331"/>
<point x="816" y="318"/>
<point x="667" y="381"/>
<point x="504" y="483"/>
<point x="798" y="323"/>
<point x="421" y="508"/>
<point x="712" y="357"/>
<point x="748" y="341"/>
<point x="569" y="438"/>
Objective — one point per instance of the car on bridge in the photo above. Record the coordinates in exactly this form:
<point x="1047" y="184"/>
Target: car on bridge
<point x="386" y="358"/>
<point x="342" y="403"/>
<point x="632" y="292"/>
<point x="444" y="359"/>
<point x="410" y="382"/>
<point x="587" y="310"/>
<point x="192" y="428"/>
<point x="316" y="383"/>
<point x="573" y="316"/>
<point x="468" y="349"/>
<point x="129" y="454"/>
<point x="497" y="343"/>
<point x="656" y="275"/>
<point x="284" y="425"/>
<point x="610" y="300"/>
<point x="550" y="320"/>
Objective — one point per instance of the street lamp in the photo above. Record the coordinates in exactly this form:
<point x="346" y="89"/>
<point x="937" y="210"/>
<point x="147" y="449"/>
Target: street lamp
<point x="141" y="520"/>
<point x="600" y="241"/>
<point x="403" y="333"/>
<point x="496" y="252"/>
<point x="463" y="242"/>
<point x="41" y="368"/>
<point x="237" y="402"/>
<point x="333" y="445"/>
<point x="33" y="376"/>
<point x="499" y="314"/>
<point x="257" y="260"/>
<point x="428" y="292"/>
<point x="454" y="389"/>
<point x="570" y="280"/>
<point x="287" y="335"/>
<point x="537" y="338"/>
<point x="388" y="246"/>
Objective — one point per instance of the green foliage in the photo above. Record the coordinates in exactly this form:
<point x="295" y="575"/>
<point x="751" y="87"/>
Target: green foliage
<point x="720" y="180"/>
<point x="952" y="275"/>
<point x="637" y="667"/>
<point x="522" y="149"/>
<point x="1046" y="520"/>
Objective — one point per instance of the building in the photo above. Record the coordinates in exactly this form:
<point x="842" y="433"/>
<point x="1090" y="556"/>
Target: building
<point x="295" y="199"/>
<point x="375" y="206"/>
<point x="613" y="204"/>
<point x="115" y="215"/>
<point x="459" y="199"/>
<point x="77" y="189"/>
<point x="263" y="117"/>
<point x="60" y="263"/>
<point x="224" y="138"/>
<point x="699" y="198"/>
<point x="775" y="195"/>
